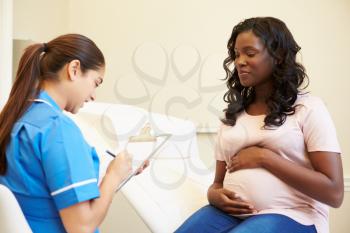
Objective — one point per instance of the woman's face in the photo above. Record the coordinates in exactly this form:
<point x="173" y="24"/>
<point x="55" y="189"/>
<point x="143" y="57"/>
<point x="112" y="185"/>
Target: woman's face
<point x="85" y="86"/>
<point x="253" y="62"/>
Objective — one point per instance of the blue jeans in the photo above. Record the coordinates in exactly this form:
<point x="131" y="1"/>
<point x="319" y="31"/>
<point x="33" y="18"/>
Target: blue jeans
<point x="212" y="220"/>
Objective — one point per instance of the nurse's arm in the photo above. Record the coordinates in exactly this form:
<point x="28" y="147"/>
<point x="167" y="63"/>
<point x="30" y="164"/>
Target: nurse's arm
<point x="85" y="217"/>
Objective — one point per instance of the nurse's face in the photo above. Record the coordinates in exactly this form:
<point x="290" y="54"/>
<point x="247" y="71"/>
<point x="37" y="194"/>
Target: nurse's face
<point x="85" y="85"/>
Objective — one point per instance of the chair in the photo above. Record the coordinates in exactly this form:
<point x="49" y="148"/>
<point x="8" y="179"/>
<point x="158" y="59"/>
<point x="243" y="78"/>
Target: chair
<point x="12" y="219"/>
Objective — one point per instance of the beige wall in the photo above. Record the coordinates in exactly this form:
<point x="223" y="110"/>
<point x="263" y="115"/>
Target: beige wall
<point x="339" y="223"/>
<point x="157" y="41"/>
<point x="155" y="32"/>
<point x="40" y="20"/>
<point x="119" y="27"/>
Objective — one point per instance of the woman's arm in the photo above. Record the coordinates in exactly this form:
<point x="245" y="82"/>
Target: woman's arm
<point x="86" y="216"/>
<point x="324" y="183"/>
<point x="225" y="199"/>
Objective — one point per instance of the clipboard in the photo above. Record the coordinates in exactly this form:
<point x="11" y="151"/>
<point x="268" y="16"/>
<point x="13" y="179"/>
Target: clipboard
<point x="156" y="148"/>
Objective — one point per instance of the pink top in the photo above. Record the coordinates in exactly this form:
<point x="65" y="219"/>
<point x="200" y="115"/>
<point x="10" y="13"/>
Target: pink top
<point x="309" y="129"/>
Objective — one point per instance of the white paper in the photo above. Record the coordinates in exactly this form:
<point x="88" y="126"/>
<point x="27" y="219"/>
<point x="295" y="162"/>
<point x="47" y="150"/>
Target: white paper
<point x="141" y="151"/>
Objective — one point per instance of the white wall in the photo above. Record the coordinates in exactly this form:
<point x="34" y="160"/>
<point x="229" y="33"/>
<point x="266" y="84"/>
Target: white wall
<point x="5" y="49"/>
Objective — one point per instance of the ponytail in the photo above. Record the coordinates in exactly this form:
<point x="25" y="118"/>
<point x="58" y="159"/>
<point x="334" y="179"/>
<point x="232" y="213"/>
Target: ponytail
<point x="42" y="62"/>
<point x="24" y="88"/>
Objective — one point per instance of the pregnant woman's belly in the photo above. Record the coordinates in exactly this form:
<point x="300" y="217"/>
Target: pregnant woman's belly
<point x="262" y="189"/>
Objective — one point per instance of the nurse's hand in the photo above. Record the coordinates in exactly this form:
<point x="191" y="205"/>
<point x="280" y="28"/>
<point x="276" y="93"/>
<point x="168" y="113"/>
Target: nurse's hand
<point x="121" y="165"/>
<point x="142" y="167"/>
<point x="229" y="202"/>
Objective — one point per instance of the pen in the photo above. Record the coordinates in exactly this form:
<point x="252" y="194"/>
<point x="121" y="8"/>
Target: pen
<point x="110" y="153"/>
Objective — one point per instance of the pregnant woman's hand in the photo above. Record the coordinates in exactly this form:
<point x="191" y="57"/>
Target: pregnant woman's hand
<point x="229" y="202"/>
<point x="250" y="157"/>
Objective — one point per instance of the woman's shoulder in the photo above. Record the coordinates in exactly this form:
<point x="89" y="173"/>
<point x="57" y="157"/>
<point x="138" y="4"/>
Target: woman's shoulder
<point x="41" y="115"/>
<point x="306" y="102"/>
<point x="63" y="127"/>
<point x="306" y="99"/>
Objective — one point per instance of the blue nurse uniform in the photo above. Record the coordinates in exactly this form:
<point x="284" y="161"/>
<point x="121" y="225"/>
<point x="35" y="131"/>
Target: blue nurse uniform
<point x="50" y="165"/>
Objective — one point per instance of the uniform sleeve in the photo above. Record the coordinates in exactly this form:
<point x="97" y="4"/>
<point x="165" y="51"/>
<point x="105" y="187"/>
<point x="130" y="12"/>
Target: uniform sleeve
<point x="68" y="164"/>
<point x="317" y="126"/>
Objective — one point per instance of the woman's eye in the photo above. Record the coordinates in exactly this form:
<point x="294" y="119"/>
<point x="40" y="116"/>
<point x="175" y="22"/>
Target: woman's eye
<point x="250" y="54"/>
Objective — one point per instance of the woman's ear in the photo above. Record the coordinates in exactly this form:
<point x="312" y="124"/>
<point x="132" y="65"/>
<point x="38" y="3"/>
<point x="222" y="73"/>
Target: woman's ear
<point x="73" y="69"/>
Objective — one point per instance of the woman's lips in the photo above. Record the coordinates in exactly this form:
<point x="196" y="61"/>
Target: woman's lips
<point x="243" y="74"/>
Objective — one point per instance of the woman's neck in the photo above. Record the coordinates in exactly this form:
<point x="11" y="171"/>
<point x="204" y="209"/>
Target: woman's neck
<point x="56" y="92"/>
<point x="262" y="92"/>
<point x="261" y="95"/>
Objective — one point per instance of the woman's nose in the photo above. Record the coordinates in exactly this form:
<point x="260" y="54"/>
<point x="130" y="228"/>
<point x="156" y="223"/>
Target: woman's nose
<point x="240" y="61"/>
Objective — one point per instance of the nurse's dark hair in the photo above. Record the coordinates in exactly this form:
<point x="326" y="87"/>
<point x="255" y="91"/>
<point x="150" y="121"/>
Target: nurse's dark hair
<point x="288" y="75"/>
<point x="43" y="62"/>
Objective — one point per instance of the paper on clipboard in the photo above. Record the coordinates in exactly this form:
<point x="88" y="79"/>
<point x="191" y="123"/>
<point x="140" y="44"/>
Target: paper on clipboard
<point x="142" y="150"/>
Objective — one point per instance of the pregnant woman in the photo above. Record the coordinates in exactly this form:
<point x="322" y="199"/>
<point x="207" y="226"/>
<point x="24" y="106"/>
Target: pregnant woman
<point x="278" y="159"/>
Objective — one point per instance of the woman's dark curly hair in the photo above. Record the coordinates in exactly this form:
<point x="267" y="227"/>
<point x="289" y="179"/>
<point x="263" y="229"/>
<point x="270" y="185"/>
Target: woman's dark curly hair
<point x="288" y="75"/>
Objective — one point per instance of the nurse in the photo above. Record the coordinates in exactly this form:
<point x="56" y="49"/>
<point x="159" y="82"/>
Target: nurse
<point x="44" y="158"/>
